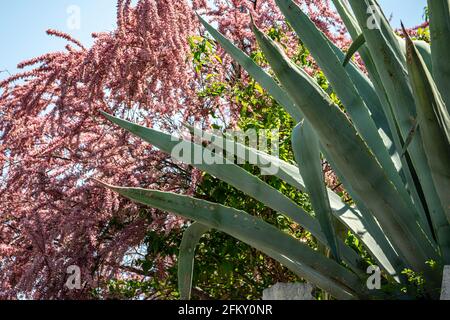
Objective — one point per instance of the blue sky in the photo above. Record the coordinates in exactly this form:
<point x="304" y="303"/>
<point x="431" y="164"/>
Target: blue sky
<point x="23" y="24"/>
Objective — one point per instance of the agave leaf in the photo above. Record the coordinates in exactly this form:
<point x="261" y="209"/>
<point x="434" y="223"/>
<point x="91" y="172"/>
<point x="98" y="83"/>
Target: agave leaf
<point x="368" y="93"/>
<point x="236" y="176"/>
<point x="309" y="264"/>
<point x="347" y="17"/>
<point x="440" y="46"/>
<point x="392" y="71"/>
<point x="391" y="68"/>
<point x="380" y="107"/>
<point x="362" y="225"/>
<point x="425" y="52"/>
<point x="410" y="137"/>
<point x="383" y="251"/>
<point x="366" y="89"/>
<point x="384" y="26"/>
<point x="220" y="167"/>
<point x="351" y="23"/>
<point x="186" y="257"/>
<point x="434" y="123"/>
<point x="355" y="31"/>
<point x="344" y="87"/>
<point x="424" y="49"/>
<point x="351" y="156"/>
<point x="307" y="154"/>
<point x="356" y="45"/>
<point x="402" y="111"/>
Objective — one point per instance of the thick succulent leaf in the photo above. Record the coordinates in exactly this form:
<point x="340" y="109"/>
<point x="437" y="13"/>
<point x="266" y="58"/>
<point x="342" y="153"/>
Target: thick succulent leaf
<point x="220" y="167"/>
<point x="351" y="155"/>
<point x="425" y="52"/>
<point x="365" y="87"/>
<point x="236" y="176"/>
<point x="186" y="257"/>
<point x="255" y="71"/>
<point x="410" y="137"/>
<point x="434" y="122"/>
<point x="356" y="45"/>
<point x="380" y="107"/>
<point x="351" y="23"/>
<point x="424" y="49"/>
<point x="440" y="46"/>
<point x="362" y="225"/>
<point x="344" y="87"/>
<point x="377" y="245"/>
<point x="308" y="263"/>
<point x="372" y="57"/>
<point x="383" y="251"/>
<point x="392" y="39"/>
<point x="307" y="154"/>
<point x="391" y="70"/>
<point x="402" y="113"/>
<point x="347" y="17"/>
<point x="368" y="93"/>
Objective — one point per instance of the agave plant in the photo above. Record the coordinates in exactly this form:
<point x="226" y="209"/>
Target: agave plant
<point x="389" y="145"/>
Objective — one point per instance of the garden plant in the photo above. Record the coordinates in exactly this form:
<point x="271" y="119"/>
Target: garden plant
<point x="387" y="139"/>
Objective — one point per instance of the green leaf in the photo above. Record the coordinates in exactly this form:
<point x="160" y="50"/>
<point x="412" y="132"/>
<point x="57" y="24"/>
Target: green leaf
<point x="434" y="122"/>
<point x="234" y="175"/>
<point x="186" y="257"/>
<point x="440" y="46"/>
<point x="351" y="155"/>
<point x="348" y="18"/>
<point x="345" y="88"/>
<point x="411" y="135"/>
<point x="400" y="108"/>
<point x="356" y="45"/>
<point x="424" y="49"/>
<point x="306" y="262"/>
<point x="352" y="220"/>
<point x="362" y="225"/>
<point x="307" y="154"/>
<point x="351" y="23"/>
<point x="217" y="165"/>
<point x="368" y="93"/>
<point x="374" y="238"/>
<point x="425" y="52"/>
<point x="373" y="9"/>
<point x="379" y="107"/>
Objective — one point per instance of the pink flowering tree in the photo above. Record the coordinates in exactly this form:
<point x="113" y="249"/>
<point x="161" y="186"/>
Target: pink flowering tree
<point x="53" y="139"/>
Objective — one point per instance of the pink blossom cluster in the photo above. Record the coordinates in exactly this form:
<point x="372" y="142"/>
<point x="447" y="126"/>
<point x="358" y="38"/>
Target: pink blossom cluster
<point x="234" y="20"/>
<point x="53" y="140"/>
